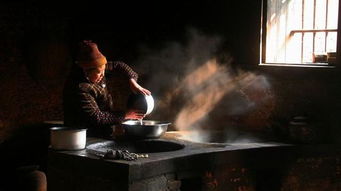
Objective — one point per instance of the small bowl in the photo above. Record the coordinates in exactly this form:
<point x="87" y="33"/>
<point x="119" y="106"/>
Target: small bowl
<point x="331" y="54"/>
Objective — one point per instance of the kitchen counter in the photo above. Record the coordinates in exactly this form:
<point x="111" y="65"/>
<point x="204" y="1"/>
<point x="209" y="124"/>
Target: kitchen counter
<point x="68" y="167"/>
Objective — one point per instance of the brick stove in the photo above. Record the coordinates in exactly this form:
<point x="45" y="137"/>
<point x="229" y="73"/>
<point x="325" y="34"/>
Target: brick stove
<point x="196" y="166"/>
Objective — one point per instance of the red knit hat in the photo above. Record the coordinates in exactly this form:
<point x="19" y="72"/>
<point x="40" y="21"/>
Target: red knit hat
<point x="89" y="56"/>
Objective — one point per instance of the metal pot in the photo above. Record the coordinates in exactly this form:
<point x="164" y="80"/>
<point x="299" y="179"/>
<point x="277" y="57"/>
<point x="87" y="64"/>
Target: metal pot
<point x="144" y="103"/>
<point x="145" y="129"/>
<point x="64" y="138"/>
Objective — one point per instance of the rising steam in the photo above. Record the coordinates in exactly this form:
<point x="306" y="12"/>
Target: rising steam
<point x="205" y="87"/>
<point x="197" y="91"/>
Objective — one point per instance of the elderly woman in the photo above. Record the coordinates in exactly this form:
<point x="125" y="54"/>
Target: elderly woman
<point x="87" y="102"/>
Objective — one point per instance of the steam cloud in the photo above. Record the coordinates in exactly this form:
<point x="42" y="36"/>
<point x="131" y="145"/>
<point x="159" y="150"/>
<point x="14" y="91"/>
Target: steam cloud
<point x="196" y="90"/>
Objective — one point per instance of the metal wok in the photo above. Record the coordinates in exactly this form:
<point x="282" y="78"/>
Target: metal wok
<point x="145" y="129"/>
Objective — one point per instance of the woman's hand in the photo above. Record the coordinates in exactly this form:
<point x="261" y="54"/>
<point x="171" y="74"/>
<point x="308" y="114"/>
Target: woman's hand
<point x="134" y="114"/>
<point x="136" y="88"/>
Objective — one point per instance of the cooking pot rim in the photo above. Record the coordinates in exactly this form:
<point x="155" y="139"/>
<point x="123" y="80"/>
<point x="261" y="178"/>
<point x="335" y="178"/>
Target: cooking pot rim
<point x="137" y="123"/>
<point x="67" y="129"/>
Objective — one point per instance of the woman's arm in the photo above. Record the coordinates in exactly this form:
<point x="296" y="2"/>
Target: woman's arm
<point x="122" y="67"/>
<point x="94" y="115"/>
<point x="136" y="88"/>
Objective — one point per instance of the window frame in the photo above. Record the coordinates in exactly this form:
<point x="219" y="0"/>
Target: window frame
<point x="262" y="47"/>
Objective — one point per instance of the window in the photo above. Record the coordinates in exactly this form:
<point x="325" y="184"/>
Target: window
<point x="299" y="32"/>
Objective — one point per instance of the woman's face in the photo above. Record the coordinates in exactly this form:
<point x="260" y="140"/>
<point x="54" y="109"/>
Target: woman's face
<point x="95" y="75"/>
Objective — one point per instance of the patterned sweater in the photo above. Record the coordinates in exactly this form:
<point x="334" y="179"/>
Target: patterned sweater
<point x="90" y="105"/>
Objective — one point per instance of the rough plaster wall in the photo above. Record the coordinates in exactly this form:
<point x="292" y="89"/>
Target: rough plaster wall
<point x="32" y="70"/>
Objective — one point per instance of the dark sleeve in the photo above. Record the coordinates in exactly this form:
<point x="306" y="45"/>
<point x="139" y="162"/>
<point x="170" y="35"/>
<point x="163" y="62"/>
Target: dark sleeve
<point x="122" y="67"/>
<point x="94" y="115"/>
